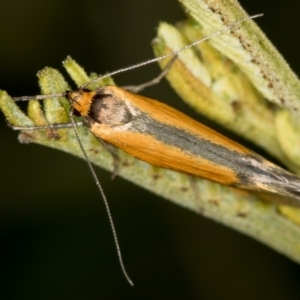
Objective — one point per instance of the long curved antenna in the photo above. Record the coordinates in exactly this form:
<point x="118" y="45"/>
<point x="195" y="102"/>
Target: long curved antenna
<point x="150" y="61"/>
<point x="110" y="218"/>
<point x="147" y="62"/>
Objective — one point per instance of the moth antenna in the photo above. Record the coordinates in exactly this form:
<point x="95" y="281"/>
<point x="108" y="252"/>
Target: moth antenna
<point x="144" y="63"/>
<point x="108" y="211"/>
<point x="38" y="97"/>
<point x="107" y="208"/>
<point x="152" y="60"/>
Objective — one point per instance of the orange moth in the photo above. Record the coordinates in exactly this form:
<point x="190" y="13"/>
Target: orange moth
<point x="162" y="136"/>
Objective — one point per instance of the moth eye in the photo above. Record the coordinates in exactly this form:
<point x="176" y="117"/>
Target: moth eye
<point x="76" y="113"/>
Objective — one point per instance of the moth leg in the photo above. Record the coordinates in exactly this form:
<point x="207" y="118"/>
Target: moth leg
<point x="50" y="126"/>
<point x="112" y="150"/>
<point x="154" y="81"/>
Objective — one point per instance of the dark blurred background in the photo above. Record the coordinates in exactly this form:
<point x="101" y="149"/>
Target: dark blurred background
<point x="55" y="238"/>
